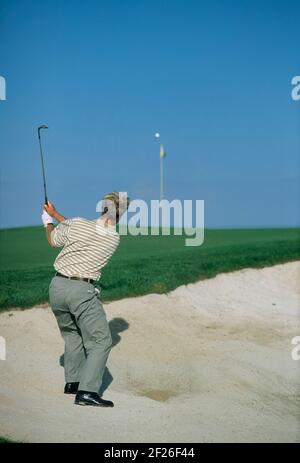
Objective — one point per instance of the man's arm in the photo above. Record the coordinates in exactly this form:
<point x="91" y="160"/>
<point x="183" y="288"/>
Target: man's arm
<point x="49" y="228"/>
<point x="50" y="209"/>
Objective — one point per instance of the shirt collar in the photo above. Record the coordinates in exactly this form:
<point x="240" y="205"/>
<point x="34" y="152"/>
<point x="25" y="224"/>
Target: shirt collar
<point x="106" y="226"/>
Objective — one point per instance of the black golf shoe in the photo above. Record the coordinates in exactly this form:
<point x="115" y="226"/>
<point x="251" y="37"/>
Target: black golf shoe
<point x="71" y="388"/>
<point x="91" y="398"/>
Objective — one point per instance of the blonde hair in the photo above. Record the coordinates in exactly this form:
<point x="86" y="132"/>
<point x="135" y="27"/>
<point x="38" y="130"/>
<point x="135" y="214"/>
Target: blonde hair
<point x="120" y="204"/>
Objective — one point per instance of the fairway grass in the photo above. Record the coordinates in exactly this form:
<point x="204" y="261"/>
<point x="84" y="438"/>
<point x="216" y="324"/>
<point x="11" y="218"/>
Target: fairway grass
<point x="142" y="264"/>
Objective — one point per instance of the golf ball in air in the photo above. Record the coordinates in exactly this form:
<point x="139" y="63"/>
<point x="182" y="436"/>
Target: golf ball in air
<point x="157" y="135"/>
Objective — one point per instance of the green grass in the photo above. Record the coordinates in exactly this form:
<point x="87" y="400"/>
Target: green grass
<point x="142" y="264"/>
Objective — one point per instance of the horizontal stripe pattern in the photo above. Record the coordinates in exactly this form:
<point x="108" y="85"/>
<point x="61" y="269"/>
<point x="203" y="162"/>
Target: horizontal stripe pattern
<point x="87" y="247"/>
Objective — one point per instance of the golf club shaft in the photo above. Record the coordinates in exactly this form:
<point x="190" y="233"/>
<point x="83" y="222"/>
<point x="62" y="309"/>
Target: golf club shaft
<point x="43" y="168"/>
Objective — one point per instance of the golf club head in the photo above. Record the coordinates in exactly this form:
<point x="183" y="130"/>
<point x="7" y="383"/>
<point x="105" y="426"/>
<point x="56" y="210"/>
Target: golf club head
<point x="44" y="126"/>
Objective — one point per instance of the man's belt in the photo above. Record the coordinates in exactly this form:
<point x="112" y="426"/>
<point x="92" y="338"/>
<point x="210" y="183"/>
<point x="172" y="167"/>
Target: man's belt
<point x="88" y="280"/>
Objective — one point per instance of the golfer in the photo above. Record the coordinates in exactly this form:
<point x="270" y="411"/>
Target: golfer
<point x="87" y="247"/>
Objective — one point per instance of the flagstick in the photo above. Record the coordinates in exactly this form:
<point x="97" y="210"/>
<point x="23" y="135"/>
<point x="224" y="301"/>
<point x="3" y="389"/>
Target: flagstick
<point x="161" y="172"/>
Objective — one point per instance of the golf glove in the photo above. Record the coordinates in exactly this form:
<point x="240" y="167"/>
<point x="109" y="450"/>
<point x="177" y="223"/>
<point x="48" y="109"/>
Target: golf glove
<point x="46" y="218"/>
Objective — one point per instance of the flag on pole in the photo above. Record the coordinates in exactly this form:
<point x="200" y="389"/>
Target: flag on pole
<point x="162" y="152"/>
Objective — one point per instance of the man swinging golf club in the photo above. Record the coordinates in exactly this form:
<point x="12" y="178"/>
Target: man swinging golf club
<point x="87" y="247"/>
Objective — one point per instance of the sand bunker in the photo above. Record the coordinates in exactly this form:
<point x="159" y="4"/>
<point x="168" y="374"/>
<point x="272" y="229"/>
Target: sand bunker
<point x="208" y="362"/>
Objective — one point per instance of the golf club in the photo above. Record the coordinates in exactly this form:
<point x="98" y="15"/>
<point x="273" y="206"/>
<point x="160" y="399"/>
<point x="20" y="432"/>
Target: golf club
<point x="42" y="159"/>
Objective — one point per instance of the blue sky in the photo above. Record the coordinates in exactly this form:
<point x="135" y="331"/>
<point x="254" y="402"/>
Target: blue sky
<point x="214" y="77"/>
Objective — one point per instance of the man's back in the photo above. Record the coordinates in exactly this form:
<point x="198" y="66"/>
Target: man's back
<point x="87" y="246"/>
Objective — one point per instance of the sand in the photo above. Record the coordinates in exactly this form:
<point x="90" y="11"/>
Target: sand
<point x="208" y="362"/>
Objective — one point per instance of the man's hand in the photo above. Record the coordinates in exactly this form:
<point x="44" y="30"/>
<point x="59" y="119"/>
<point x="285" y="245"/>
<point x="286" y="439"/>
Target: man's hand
<point x="47" y="219"/>
<point x="48" y="215"/>
<point x="50" y="209"/>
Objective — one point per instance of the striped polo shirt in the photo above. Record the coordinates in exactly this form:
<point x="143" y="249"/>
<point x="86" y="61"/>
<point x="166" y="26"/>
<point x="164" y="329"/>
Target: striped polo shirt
<point x="87" y="247"/>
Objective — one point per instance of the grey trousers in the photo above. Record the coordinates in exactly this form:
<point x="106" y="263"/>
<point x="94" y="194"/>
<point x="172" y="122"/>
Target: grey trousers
<point x="84" y="328"/>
